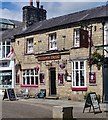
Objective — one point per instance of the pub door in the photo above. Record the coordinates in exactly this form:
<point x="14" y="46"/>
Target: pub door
<point x="52" y="74"/>
<point x="105" y="86"/>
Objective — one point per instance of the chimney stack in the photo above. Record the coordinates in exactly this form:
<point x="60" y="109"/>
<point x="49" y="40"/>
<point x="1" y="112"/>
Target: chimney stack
<point x="31" y="3"/>
<point x="32" y="14"/>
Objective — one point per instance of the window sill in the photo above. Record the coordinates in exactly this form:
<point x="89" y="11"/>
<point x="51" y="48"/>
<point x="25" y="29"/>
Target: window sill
<point x="75" y="47"/>
<point x="29" y="85"/>
<point x="79" y="88"/>
<point x="42" y="83"/>
<point x="29" y="53"/>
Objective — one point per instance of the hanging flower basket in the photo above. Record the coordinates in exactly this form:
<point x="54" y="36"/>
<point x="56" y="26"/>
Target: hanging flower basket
<point x="96" y="59"/>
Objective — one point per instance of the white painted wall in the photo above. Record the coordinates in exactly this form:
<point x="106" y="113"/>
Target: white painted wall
<point x="106" y="38"/>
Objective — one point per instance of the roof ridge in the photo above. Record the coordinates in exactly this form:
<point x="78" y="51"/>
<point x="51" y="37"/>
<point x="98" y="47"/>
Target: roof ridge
<point x="78" y="12"/>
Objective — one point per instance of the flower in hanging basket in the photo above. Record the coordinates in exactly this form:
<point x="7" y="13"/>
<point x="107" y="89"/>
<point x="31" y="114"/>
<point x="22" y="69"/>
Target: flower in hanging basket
<point x="62" y="66"/>
<point x="96" y="58"/>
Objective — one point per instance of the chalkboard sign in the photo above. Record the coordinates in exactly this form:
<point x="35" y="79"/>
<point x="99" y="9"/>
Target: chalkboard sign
<point x="92" y="101"/>
<point x="42" y="93"/>
<point x="9" y="94"/>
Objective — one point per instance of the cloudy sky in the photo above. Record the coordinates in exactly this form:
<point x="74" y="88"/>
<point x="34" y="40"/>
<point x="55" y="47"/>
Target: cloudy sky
<point x="12" y="9"/>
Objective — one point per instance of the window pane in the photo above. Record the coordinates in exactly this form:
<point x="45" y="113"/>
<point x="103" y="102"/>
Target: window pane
<point x="32" y="72"/>
<point x="4" y="43"/>
<point x="77" y="78"/>
<point x="76" y="65"/>
<point x="82" y="78"/>
<point x="7" y="50"/>
<point x="28" y="80"/>
<point x="36" y="80"/>
<point x="81" y="65"/>
<point x="32" y="80"/>
<point x="24" y="81"/>
<point x="27" y="72"/>
<point x="3" y="52"/>
<point x="23" y="72"/>
<point x="8" y="43"/>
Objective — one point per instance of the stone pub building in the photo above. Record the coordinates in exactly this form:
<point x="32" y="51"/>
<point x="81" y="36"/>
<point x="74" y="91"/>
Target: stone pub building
<point x="53" y="54"/>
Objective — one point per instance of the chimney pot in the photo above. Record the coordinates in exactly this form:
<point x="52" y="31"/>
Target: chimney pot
<point x="37" y="1"/>
<point x="41" y="6"/>
<point x="31" y="3"/>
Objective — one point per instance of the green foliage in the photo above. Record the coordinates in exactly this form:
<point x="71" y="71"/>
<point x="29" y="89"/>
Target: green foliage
<point x="97" y="59"/>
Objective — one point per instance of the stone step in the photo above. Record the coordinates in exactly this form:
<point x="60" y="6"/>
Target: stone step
<point x="52" y="97"/>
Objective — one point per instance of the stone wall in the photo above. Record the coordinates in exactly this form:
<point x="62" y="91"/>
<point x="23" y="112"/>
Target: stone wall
<point x="41" y="46"/>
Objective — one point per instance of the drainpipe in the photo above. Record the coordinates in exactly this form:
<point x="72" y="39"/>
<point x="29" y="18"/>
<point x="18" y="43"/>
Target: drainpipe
<point x="103" y="23"/>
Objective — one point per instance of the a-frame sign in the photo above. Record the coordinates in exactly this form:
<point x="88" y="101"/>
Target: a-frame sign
<point x="92" y="101"/>
<point x="9" y="94"/>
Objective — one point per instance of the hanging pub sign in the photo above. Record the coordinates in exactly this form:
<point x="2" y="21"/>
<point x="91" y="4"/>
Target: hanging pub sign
<point x="62" y="66"/>
<point x="92" y="78"/>
<point x="92" y="101"/>
<point x="9" y="94"/>
<point x="60" y="78"/>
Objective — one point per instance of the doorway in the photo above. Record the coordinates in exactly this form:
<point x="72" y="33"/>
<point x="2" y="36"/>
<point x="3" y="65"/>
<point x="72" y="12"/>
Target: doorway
<point x="52" y="81"/>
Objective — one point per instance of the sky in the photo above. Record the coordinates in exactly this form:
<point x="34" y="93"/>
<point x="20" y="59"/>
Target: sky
<point x="12" y="9"/>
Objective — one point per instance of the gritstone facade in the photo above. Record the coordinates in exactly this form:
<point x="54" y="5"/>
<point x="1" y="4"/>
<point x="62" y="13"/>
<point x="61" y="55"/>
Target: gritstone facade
<point x="55" y="54"/>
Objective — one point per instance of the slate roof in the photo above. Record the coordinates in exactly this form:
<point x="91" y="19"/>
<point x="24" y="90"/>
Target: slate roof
<point x="9" y="21"/>
<point x="94" y="13"/>
<point x="9" y="34"/>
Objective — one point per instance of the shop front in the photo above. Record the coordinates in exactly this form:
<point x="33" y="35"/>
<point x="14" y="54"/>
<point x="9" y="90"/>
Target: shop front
<point x="54" y="70"/>
<point x="7" y="75"/>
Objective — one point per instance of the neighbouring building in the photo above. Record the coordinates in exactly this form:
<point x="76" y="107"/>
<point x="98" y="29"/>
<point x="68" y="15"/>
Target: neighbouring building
<point x="6" y="24"/>
<point x="53" y="54"/>
<point x="7" y="63"/>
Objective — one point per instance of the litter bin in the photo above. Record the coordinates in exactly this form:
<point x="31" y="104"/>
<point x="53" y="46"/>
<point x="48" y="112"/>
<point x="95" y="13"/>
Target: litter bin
<point x="67" y="112"/>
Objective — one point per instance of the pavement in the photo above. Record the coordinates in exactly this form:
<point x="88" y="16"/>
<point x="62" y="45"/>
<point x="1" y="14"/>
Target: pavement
<point x="77" y="107"/>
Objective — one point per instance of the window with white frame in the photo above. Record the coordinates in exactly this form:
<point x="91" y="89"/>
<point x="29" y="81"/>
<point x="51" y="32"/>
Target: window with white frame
<point x="30" y="77"/>
<point x="76" y="38"/>
<point x="78" y="74"/>
<point x="81" y="38"/>
<point x="52" y="41"/>
<point x="5" y="47"/>
<point x="29" y="45"/>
